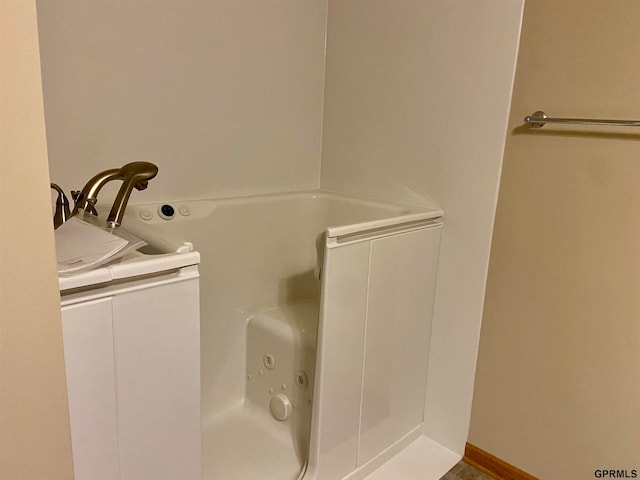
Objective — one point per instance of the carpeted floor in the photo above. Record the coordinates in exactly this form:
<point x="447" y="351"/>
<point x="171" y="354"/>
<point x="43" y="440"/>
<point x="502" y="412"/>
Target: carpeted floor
<point x="462" y="471"/>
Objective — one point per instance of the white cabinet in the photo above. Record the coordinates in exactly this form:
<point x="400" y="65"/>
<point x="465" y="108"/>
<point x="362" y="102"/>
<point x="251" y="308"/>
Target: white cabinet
<point x="132" y="357"/>
<point x="88" y="354"/>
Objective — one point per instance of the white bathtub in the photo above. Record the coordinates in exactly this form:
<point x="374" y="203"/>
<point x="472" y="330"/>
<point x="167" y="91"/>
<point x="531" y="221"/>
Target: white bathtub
<point x="259" y="253"/>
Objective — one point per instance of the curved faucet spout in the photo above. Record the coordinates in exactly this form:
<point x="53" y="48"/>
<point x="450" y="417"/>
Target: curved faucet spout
<point x="87" y="198"/>
<point x="133" y="175"/>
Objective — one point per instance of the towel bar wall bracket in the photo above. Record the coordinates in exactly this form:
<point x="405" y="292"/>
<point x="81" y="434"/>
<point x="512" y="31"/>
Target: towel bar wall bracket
<point x="539" y="119"/>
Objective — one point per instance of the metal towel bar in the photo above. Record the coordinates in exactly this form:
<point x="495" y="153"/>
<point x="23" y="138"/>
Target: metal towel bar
<point x="539" y="118"/>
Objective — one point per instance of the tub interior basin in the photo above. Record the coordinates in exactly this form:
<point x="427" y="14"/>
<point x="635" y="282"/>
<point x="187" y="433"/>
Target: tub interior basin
<point x="314" y="211"/>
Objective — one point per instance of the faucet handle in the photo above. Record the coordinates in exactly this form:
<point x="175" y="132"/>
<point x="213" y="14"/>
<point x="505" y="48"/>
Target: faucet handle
<point x="62" y="212"/>
<point x="89" y="204"/>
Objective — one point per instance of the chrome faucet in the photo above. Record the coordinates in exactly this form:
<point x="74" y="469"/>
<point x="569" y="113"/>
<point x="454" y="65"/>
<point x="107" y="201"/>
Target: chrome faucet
<point x="133" y="175"/>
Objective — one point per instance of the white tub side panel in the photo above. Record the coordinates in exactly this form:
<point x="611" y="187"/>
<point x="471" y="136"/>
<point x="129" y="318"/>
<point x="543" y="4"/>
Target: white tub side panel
<point x="88" y="355"/>
<point x="334" y="449"/>
<point x="157" y="353"/>
<point x="400" y="303"/>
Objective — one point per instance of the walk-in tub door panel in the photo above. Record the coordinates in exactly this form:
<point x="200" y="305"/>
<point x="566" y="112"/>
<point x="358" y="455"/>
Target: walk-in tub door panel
<point x="373" y="346"/>
<point x="402" y="274"/>
<point x="340" y="343"/>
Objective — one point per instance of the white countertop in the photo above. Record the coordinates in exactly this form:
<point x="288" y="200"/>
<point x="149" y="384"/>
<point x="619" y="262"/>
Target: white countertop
<point x="131" y="265"/>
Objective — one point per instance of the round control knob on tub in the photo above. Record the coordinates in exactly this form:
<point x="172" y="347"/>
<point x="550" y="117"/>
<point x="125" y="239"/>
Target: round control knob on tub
<point x="280" y="407"/>
<point x="145" y="214"/>
<point x="184" y="210"/>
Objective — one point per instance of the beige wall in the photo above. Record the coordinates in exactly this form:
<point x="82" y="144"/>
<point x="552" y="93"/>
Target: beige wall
<point x="558" y="380"/>
<point x="34" y="422"/>
<point x="416" y="107"/>
<point x="224" y="96"/>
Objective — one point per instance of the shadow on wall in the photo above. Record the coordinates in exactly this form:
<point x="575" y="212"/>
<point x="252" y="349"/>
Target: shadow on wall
<point x="302" y="286"/>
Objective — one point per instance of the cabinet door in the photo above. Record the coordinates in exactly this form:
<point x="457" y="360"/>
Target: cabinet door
<point x="88" y="355"/>
<point x="157" y="351"/>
